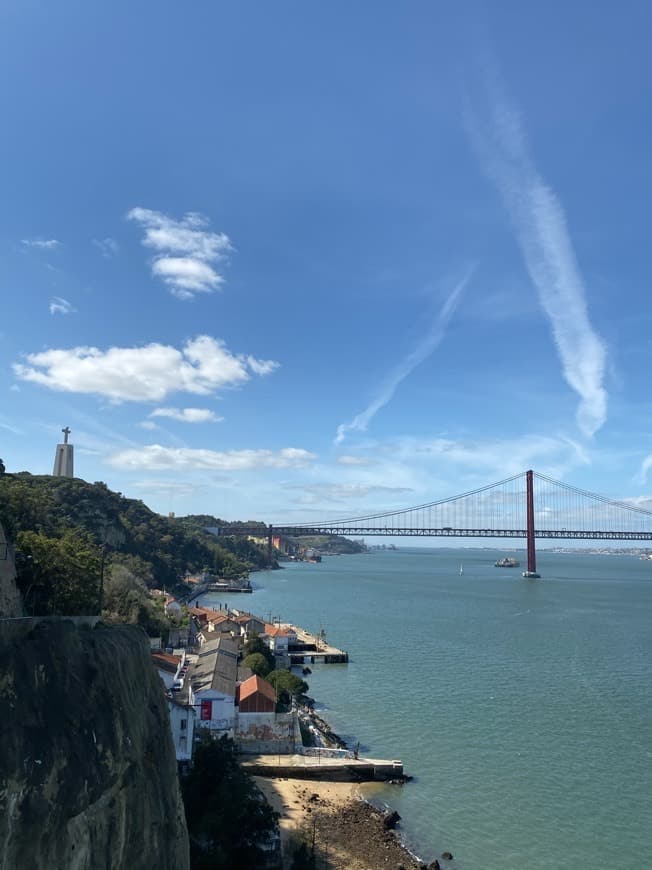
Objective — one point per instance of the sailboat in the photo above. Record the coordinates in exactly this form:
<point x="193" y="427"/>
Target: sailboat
<point x="461" y="569"/>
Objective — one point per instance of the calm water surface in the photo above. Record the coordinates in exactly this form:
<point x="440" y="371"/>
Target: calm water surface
<point x="523" y="708"/>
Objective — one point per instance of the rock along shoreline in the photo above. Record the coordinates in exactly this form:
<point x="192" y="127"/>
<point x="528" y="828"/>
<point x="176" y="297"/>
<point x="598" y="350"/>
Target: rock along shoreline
<point x="346" y="830"/>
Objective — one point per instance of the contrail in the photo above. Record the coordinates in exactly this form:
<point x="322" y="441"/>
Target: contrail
<point x="407" y="365"/>
<point x="540" y="224"/>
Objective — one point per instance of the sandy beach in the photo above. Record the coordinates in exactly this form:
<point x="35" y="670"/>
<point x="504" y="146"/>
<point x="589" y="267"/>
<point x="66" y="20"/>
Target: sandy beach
<point x="347" y="832"/>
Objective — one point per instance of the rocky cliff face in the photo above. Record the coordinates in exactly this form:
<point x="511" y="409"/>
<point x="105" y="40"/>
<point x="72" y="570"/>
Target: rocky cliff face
<point x="88" y="776"/>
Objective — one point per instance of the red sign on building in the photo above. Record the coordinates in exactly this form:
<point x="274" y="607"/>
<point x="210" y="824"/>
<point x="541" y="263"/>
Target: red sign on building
<point x="206" y="710"/>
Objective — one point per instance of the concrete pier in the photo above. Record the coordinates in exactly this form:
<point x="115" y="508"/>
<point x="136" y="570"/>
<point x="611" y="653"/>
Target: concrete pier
<point x="317" y="766"/>
<point x="311" y="649"/>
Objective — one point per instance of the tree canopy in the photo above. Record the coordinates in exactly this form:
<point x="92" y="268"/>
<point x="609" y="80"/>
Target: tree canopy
<point x="229" y="821"/>
<point x="287" y="685"/>
<point x="257" y="664"/>
<point x="37" y="511"/>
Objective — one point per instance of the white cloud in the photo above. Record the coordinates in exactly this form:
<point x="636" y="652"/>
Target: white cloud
<point x="58" y="305"/>
<point x="186" y="276"/>
<point x="338" y="492"/>
<point x="261" y="366"/>
<point x="188" y="415"/>
<point x="44" y="244"/>
<point x="169" y="488"/>
<point x="186" y="250"/>
<point x="148" y="373"/>
<point x="644" y="469"/>
<point x="148" y="424"/>
<point x="345" y="459"/>
<point x="422" y="351"/>
<point x="540" y="225"/>
<point x="156" y="457"/>
<point x="486" y="459"/>
<point x="108" y="247"/>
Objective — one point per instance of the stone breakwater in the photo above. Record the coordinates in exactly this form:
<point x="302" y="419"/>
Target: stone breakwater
<point x="319" y="732"/>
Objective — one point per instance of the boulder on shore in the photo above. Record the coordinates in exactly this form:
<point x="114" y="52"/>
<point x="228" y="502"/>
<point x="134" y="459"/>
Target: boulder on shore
<point x="391" y="820"/>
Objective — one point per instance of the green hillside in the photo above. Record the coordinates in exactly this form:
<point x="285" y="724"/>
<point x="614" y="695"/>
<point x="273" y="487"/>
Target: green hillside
<point x="64" y="527"/>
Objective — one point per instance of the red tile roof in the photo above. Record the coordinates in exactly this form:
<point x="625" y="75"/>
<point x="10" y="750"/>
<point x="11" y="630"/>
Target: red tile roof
<point x="166" y="661"/>
<point x="207" y="615"/>
<point x="256" y="685"/>
<point x="277" y="631"/>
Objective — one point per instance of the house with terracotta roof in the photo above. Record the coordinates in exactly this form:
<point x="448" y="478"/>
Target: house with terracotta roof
<point x="258" y="727"/>
<point x="256" y="695"/>
<point x="167" y="665"/>
<point x="250" y="625"/>
<point x="278" y="638"/>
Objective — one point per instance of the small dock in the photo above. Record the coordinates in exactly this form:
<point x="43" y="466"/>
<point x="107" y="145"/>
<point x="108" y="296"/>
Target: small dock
<point x="310" y="649"/>
<point x="323" y="767"/>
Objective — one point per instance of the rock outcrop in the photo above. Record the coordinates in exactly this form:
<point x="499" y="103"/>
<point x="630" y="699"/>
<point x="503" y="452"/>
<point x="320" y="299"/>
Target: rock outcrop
<point x="88" y="775"/>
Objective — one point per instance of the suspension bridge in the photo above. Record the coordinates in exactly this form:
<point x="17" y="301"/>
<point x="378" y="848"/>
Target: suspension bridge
<point x="528" y="505"/>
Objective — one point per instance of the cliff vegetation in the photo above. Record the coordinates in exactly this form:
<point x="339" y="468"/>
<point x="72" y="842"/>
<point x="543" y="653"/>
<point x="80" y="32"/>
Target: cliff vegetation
<point x="69" y="533"/>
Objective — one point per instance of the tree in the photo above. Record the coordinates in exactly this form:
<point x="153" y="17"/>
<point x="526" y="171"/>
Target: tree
<point x="256" y="644"/>
<point x="257" y="663"/>
<point x="58" y="575"/>
<point x="287" y="685"/>
<point x="229" y="821"/>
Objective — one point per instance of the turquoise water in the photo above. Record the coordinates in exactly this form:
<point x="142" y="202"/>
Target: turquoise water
<point x="523" y="708"/>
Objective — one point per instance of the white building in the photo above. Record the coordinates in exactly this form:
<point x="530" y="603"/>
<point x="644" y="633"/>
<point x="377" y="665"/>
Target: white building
<point x="279" y="638"/>
<point x="168" y="667"/>
<point x="212" y="682"/>
<point x="182" y="723"/>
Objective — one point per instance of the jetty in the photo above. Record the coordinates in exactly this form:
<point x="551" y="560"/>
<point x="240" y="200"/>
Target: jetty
<point x="312" y="649"/>
<point x="324" y="764"/>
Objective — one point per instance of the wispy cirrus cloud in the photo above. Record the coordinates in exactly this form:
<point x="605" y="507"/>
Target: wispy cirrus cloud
<point x="43" y="244"/>
<point x="345" y="459"/>
<point x="346" y="492"/>
<point x="59" y="305"/>
<point x="486" y="459"/>
<point x="421" y="352"/>
<point x="188" y="415"/>
<point x="142" y="374"/>
<point x="540" y="225"/>
<point x="643" y="471"/>
<point x="186" y="250"/>
<point x="156" y="457"/>
<point x="107" y="247"/>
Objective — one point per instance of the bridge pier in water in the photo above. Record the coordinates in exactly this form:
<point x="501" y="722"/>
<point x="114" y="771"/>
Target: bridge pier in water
<point x="531" y="548"/>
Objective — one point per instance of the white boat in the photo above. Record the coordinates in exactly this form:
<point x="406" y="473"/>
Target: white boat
<point x="461" y="569"/>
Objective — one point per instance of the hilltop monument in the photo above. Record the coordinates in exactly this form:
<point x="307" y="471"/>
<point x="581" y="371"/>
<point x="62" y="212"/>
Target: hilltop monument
<point x="63" y="458"/>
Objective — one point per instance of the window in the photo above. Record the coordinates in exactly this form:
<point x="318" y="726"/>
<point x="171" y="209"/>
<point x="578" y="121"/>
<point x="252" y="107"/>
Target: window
<point x="184" y="723"/>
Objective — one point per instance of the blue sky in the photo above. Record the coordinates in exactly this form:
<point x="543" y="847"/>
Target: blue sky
<point x="298" y="260"/>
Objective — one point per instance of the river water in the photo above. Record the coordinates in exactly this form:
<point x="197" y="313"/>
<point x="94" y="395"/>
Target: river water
<point x="523" y="708"/>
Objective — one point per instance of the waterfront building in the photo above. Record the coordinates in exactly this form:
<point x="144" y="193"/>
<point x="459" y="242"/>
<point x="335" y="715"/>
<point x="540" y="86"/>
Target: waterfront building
<point x="256" y="695"/>
<point x="259" y="729"/>
<point x="279" y="638"/>
<point x="212" y="685"/>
